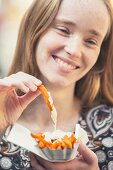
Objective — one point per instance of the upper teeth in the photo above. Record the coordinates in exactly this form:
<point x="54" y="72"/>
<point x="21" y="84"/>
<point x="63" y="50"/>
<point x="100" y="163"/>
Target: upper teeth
<point x="64" y="64"/>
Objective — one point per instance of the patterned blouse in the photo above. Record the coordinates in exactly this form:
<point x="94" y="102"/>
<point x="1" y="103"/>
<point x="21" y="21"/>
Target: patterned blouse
<point x="99" y="125"/>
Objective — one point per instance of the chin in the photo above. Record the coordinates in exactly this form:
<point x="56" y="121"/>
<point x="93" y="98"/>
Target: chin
<point x="57" y="80"/>
<point x="59" y="83"/>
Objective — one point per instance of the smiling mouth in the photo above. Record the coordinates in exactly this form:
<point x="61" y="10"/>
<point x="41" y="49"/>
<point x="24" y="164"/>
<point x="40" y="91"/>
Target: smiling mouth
<point x="63" y="64"/>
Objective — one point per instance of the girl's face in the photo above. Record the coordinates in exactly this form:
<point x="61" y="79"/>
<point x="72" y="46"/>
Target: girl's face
<point x="71" y="45"/>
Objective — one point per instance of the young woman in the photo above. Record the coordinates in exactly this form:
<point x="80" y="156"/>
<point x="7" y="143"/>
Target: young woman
<point x="67" y="46"/>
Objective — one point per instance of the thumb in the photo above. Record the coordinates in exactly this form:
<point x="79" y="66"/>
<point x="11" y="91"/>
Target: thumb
<point x="88" y="155"/>
<point x="28" y="98"/>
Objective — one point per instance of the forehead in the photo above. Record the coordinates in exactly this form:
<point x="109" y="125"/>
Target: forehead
<point x="81" y="6"/>
<point x="88" y="12"/>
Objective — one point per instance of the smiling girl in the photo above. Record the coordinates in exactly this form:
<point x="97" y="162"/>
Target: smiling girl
<point x="67" y="46"/>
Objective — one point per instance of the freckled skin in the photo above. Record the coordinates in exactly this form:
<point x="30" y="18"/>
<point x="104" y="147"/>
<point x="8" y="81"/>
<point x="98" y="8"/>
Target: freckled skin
<point x="74" y="45"/>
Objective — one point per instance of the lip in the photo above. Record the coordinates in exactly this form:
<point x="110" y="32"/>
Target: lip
<point x="68" y="61"/>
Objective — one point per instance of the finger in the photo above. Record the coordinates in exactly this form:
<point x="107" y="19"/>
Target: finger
<point x="73" y="164"/>
<point x="31" y="86"/>
<point x="32" y="83"/>
<point x="22" y="81"/>
<point x="88" y="155"/>
<point x="28" y="78"/>
<point x="28" y="98"/>
<point x="34" y="163"/>
<point x="11" y="83"/>
<point x="5" y="85"/>
<point x="44" y="162"/>
<point x="52" y="165"/>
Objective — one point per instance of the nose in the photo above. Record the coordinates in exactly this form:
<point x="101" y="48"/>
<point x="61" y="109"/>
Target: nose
<point x="73" y="46"/>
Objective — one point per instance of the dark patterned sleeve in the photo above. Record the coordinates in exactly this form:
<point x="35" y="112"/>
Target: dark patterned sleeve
<point x="13" y="157"/>
<point x="99" y="126"/>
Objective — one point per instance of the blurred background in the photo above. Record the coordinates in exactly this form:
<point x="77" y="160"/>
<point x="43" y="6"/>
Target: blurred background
<point x="11" y="12"/>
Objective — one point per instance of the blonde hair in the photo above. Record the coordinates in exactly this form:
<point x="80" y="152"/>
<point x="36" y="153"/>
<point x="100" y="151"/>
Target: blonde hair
<point x="36" y="20"/>
<point x="97" y="85"/>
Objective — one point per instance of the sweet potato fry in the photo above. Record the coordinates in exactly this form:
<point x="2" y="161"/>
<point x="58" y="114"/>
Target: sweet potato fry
<point x="72" y="140"/>
<point x="41" y="144"/>
<point x="68" y="143"/>
<point x="63" y="145"/>
<point x="54" y="145"/>
<point x="65" y="142"/>
<point x="45" y="94"/>
<point x="38" y="136"/>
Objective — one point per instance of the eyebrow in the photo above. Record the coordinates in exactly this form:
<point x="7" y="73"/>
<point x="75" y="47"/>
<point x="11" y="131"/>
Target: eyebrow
<point x="70" y="23"/>
<point x="64" y="21"/>
<point x="95" y="33"/>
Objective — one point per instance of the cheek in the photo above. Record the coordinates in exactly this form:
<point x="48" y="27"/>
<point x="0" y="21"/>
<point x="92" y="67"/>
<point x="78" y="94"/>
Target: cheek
<point x="92" y="58"/>
<point x="90" y="62"/>
<point x="50" y="41"/>
<point x="93" y="61"/>
<point x="46" y="46"/>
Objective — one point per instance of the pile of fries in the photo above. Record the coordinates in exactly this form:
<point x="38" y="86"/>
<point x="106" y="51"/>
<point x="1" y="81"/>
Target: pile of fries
<point x="53" y="144"/>
<point x="61" y="142"/>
